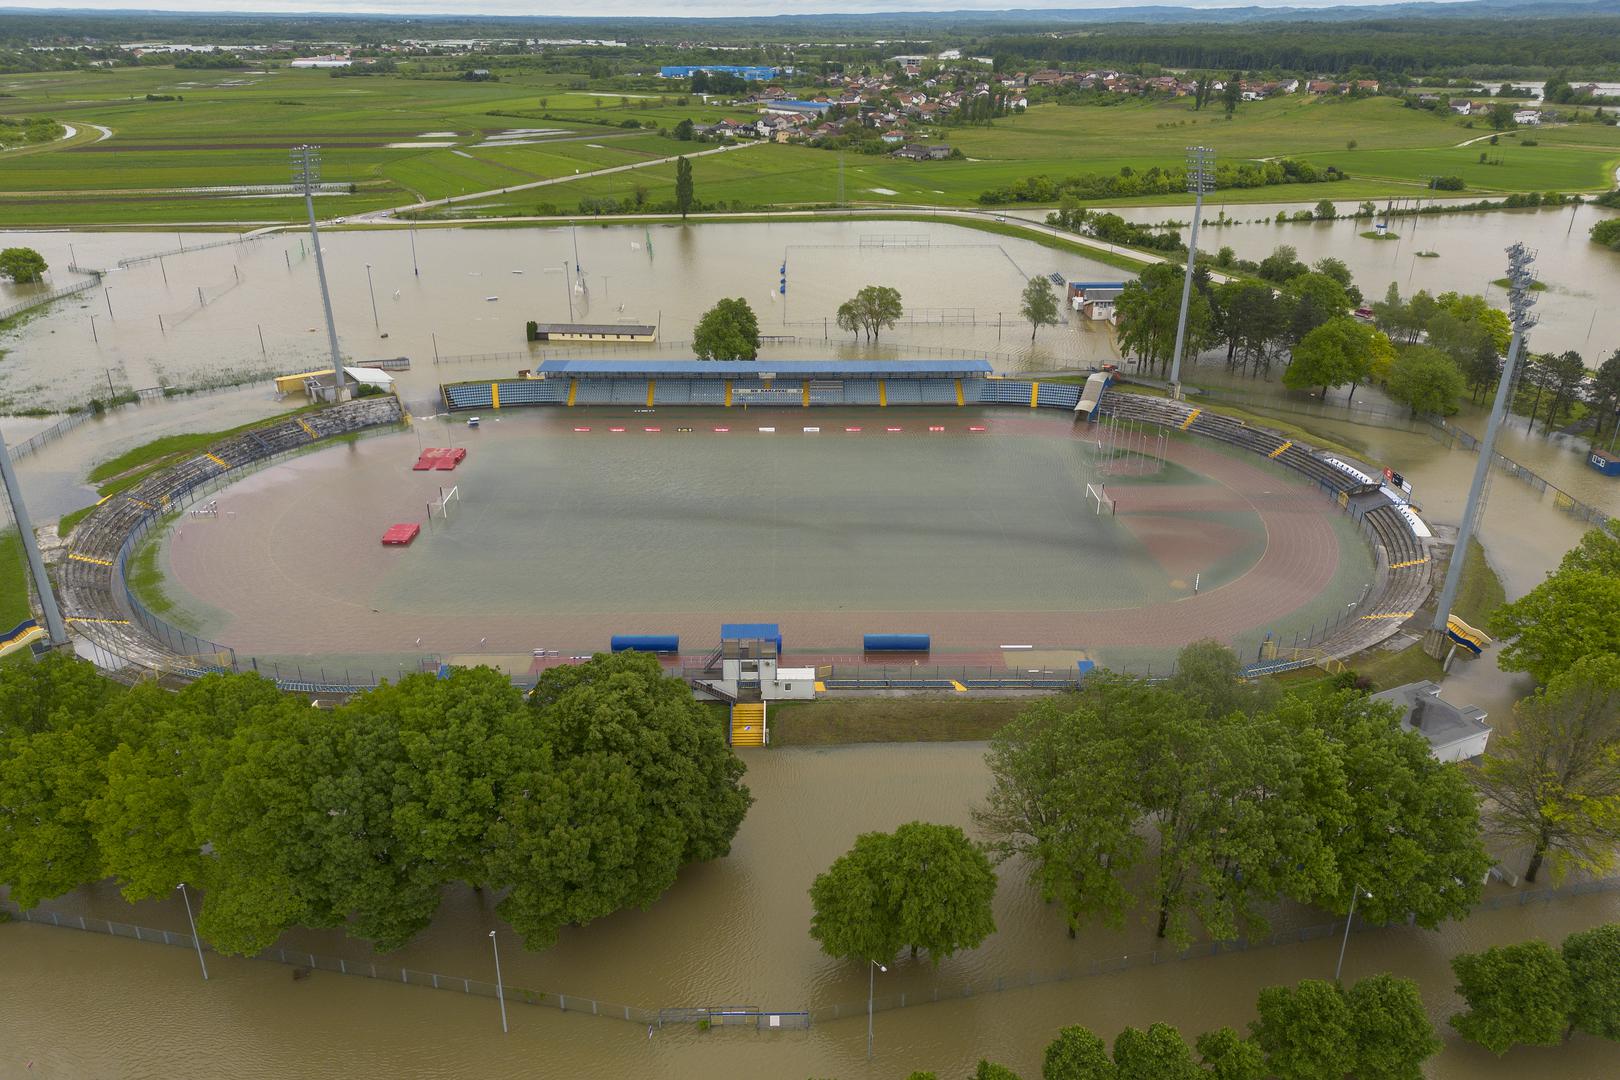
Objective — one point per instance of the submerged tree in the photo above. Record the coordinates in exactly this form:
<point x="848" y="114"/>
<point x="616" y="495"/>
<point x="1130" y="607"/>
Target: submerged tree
<point x="727" y="331"/>
<point x="1039" y="306"/>
<point x="870" y="310"/>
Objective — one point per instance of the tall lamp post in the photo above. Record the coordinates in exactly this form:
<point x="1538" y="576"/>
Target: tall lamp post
<point x="500" y="991"/>
<point x="1345" y="943"/>
<point x="871" y="988"/>
<point x="567" y="287"/>
<point x="371" y="292"/>
<point x="306" y="162"/>
<point x="1520" y="300"/>
<point x="54" y="626"/>
<point x="195" y="940"/>
<point x="1200" y="179"/>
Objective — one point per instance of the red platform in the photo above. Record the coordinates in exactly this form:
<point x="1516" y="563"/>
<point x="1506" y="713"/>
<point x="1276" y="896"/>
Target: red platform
<point x="401" y="534"/>
<point x="439" y="457"/>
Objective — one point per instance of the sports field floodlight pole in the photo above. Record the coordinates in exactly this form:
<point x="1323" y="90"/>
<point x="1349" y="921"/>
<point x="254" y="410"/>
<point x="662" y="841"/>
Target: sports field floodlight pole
<point x="306" y="174"/>
<point x="36" y="565"/>
<point x="500" y="990"/>
<point x="1200" y="179"/>
<point x="1520" y="300"/>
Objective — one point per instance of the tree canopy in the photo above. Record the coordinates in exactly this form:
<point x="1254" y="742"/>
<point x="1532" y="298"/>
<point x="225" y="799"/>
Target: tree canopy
<point x="1574" y="613"/>
<point x="727" y="331"/>
<point x="1039" y="305"/>
<point x="1516" y="994"/>
<point x="586" y="799"/>
<point x="22" y="265"/>
<point x="1426" y="380"/>
<point x="1336" y="352"/>
<point x="870" y="310"/>
<point x="922" y="886"/>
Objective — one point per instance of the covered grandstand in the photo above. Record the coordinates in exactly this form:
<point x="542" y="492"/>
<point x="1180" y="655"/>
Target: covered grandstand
<point x="803" y="383"/>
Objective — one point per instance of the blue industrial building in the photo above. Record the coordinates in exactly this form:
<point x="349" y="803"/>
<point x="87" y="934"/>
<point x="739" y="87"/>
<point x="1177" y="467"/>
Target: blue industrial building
<point x="749" y="72"/>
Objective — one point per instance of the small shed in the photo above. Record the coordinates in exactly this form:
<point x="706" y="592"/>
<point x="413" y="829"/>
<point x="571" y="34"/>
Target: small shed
<point x="1455" y="733"/>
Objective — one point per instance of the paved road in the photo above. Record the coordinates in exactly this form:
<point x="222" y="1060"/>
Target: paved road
<point x="475" y="196"/>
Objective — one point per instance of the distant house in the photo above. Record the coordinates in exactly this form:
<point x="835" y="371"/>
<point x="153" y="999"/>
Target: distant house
<point x="1366" y="86"/>
<point x="751" y="73"/>
<point x="918" y="152"/>
<point x="321" y="62"/>
<point x="798" y="108"/>
<point x="893" y="136"/>
<point x="1527" y="117"/>
<point x="1454" y="734"/>
<point x="1321" y="86"/>
<point x="591" y="332"/>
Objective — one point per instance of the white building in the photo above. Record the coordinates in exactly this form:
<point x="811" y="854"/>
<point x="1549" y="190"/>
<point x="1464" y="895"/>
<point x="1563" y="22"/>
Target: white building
<point x="322" y="62"/>
<point x="1454" y="734"/>
<point x="1527" y="117"/>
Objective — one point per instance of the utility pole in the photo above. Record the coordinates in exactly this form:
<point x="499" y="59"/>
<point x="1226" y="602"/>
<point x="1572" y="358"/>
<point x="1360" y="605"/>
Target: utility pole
<point x="1520" y="300"/>
<point x="1200" y="179"/>
<point x="36" y="565"/>
<point x="306" y="174"/>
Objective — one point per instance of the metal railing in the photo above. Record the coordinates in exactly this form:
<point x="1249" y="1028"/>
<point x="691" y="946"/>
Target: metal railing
<point x="305" y="963"/>
<point x="135" y="260"/>
<point x="46" y="297"/>
<point x="1454" y="436"/>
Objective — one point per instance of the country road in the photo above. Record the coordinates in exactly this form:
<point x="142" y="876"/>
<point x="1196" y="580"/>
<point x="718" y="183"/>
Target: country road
<point x="475" y="196"/>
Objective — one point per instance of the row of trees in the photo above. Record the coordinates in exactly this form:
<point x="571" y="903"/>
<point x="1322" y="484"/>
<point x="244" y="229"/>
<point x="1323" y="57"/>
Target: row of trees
<point x="1159" y="181"/>
<point x="586" y="798"/>
<point x="1205" y="800"/>
<point x="1532" y="994"/>
<point x="1376" y="1029"/>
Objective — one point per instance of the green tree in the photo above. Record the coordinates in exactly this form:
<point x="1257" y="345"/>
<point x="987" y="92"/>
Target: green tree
<point x="1410" y="836"/>
<point x="1282" y="265"/>
<point x="1605" y="398"/>
<point x="870" y="310"/>
<point x="1570" y="615"/>
<point x="1252" y="320"/>
<point x="1159" y="1053"/>
<point x="1039" y="305"/>
<point x="1232" y="93"/>
<point x="1305" y="1031"/>
<point x="1148" y="310"/>
<point x="989" y="1070"/>
<point x="1316" y="299"/>
<point x="1077" y="1054"/>
<point x="683" y="130"/>
<point x="1075" y="829"/>
<point x="1501" y="116"/>
<point x="1426" y="380"/>
<point x="1565" y="374"/>
<point x="1553" y="780"/>
<point x="1325" y="210"/>
<point x="923" y="887"/>
<point x="1390" y="1028"/>
<point x="640" y="784"/>
<point x="22" y="265"/>
<point x="1338" y="351"/>
<point x="683" y="186"/>
<point x="1516" y="994"/>
<point x="1211" y="675"/>
<point x="727" y="331"/>
<point x="1593" y="959"/>
<point x="1226" y="1055"/>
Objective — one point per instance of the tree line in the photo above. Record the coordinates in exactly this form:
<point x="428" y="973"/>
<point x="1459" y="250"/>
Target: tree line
<point x="585" y="798"/>
<point x="1159" y="180"/>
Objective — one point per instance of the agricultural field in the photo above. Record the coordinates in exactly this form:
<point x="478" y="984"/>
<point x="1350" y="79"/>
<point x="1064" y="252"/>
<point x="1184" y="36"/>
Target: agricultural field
<point x="397" y="140"/>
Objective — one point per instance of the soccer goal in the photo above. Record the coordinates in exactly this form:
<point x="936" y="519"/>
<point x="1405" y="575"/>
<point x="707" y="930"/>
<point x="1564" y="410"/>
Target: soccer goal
<point x="1104" y="501"/>
<point x="449" y="499"/>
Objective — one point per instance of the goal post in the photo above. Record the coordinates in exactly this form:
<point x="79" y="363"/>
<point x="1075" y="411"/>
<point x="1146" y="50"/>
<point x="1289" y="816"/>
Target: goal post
<point x="449" y="499"/>
<point x="1095" y="493"/>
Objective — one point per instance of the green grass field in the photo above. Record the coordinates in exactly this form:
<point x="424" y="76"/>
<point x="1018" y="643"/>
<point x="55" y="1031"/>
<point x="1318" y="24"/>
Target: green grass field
<point x="13" y="580"/>
<point x="235" y="128"/>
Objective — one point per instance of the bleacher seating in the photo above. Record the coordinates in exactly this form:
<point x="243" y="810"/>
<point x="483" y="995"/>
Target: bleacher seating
<point x="99" y="542"/>
<point x="938" y="391"/>
<point x="903" y="392"/>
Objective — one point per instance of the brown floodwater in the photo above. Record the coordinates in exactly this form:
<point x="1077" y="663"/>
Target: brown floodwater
<point x="734" y="931"/>
<point x="730" y="932"/>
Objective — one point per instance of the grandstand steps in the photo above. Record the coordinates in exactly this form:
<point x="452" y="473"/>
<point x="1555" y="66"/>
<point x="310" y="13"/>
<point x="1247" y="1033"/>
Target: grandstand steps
<point x="748" y="723"/>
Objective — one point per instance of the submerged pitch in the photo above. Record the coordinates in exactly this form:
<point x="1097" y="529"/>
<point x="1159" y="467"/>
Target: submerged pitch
<point x="669" y="522"/>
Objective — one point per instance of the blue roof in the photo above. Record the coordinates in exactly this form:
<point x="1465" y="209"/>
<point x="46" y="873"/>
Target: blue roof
<point x="756" y="369"/>
<point x="751" y="631"/>
<point x="1096" y="284"/>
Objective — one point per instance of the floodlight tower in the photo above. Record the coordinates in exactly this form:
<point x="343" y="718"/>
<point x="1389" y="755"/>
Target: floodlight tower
<point x="36" y="565"/>
<point x="1520" y="300"/>
<point x="1200" y="180"/>
<point x="306" y="168"/>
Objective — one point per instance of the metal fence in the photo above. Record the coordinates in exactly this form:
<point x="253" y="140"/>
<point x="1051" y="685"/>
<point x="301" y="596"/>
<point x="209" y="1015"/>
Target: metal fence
<point x="135" y="260"/>
<point x="1454" y="436"/>
<point x="1152" y="958"/>
<point x="45" y="298"/>
<point x="305" y="963"/>
<point x="52" y="433"/>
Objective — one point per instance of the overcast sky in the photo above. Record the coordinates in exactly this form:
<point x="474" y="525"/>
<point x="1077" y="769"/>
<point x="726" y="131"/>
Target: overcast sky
<point x="664" y="8"/>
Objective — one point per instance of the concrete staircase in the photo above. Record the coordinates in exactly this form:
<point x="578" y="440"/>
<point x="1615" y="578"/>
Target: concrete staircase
<point x="748" y="723"/>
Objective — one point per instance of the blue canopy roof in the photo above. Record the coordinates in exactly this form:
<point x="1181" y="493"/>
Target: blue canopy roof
<point x="761" y="369"/>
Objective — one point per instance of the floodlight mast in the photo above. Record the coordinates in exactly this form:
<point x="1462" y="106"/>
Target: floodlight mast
<point x="1200" y="180"/>
<point x="306" y="167"/>
<point x="1521" y="299"/>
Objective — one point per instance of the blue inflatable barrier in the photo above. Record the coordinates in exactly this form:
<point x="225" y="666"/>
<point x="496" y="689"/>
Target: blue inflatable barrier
<point x="666" y="643"/>
<point x="897" y="642"/>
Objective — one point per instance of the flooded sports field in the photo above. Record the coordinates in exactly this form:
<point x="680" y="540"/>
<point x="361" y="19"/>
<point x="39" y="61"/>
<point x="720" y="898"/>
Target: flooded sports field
<point x="569" y="526"/>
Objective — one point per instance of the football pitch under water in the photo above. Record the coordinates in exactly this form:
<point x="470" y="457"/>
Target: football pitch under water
<point x="973" y="526"/>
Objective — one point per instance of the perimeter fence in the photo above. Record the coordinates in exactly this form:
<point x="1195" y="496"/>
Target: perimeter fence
<point x="46" y="297"/>
<point x="305" y="963"/>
